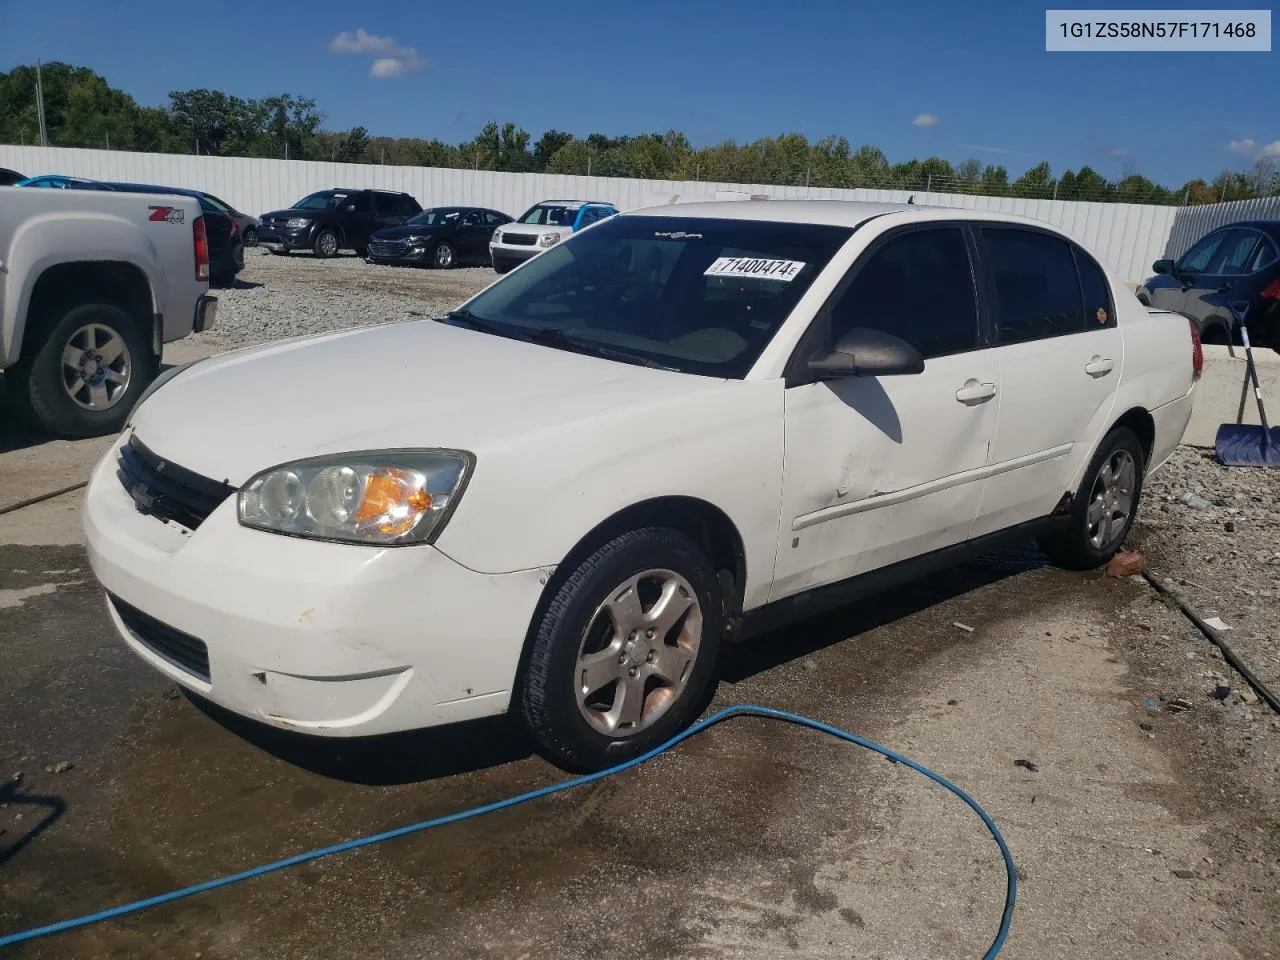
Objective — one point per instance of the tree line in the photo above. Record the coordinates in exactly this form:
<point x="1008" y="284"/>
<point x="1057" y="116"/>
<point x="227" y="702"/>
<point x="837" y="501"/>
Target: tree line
<point x="83" y="110"/>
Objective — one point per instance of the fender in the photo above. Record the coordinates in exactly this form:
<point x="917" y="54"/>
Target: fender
<point x="51" y="239"/>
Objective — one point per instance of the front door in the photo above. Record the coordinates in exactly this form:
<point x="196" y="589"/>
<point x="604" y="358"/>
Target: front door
<point x="1060" y="356"/>
<point x="880" y="469"/>
<point x="472" y="239"/>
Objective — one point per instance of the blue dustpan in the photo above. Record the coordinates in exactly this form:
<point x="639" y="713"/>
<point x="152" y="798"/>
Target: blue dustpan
<point x="1243" y="444"/>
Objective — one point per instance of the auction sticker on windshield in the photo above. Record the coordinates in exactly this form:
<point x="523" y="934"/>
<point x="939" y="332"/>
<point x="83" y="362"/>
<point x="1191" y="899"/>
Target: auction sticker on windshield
<point x="752" y="267"/>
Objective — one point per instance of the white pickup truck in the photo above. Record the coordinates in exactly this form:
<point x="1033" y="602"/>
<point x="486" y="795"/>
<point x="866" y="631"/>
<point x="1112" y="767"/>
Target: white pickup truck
<point x="92" y="285"/>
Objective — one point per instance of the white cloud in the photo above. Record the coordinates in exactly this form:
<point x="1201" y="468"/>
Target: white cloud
<point x="925" y="120"/>
<point x="385" y="67"/>
<point x="1271" y="150"/>
<point x="390" y="58"/>
<point x="1118" y="152"/>
<point x="1243" y="147"/>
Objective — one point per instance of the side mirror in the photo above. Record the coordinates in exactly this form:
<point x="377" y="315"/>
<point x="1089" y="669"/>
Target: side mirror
<point x="1164" y="267"/>
<point x="868" y="353"/>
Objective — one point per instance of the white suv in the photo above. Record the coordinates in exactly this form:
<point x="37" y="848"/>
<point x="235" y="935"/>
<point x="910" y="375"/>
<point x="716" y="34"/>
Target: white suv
<point x="543" y="226"/>
<point x="677" y="428"/>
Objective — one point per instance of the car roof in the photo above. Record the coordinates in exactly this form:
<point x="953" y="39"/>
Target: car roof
<point x="150" y="188"/>
<point x="1270" y="227"/>
<point x="838" y="213"/>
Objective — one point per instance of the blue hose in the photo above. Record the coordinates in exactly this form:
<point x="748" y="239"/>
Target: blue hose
<point x="739" y="710"/>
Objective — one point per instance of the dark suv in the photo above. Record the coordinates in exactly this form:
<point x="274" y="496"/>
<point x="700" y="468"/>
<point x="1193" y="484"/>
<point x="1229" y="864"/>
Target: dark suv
<point x="1240" y="261"/>
<point x="334" y="220"/>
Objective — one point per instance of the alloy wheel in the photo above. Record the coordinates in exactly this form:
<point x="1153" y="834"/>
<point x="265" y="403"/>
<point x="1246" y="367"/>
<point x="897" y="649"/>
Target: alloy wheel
<point x="97" y="367"/>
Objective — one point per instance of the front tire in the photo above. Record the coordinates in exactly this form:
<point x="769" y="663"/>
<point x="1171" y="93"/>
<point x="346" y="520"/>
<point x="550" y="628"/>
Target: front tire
<point x="84" y="379"/>
<point x="442" y="257"/>
<point x="326" y="244"/>
<point x="625" y="652"/>
<point x="1104" y="507"/>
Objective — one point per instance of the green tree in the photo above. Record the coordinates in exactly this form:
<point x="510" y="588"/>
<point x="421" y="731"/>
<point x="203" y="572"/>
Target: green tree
<point x="1036" y="183"/>
<point x="547" y="145"/>
<point x="351" y="146"/>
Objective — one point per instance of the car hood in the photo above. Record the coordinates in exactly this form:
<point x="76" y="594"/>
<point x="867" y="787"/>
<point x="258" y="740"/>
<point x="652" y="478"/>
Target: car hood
<point x="404" y="232"/>
<point x="407" y="384"/>
<point x="288" y="214"/>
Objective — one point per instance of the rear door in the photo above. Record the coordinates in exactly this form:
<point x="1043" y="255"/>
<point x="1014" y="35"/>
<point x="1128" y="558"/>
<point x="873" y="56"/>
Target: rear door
<point x="388" y="211"/>
<point x="1060" y="354"/>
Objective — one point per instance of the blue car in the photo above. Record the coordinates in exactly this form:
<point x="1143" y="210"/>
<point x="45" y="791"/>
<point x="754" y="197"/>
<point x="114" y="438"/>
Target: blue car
<point x="59" y="182"/>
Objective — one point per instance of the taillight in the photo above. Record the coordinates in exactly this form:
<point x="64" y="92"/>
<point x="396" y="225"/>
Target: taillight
<point x="235" y="228"/>
<point x="1197" y="351"/>
<point x="1272" y="290"/>
<point x="201" y="239"/>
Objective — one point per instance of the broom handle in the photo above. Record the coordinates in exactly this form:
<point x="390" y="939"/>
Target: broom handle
<point x="1257" y="390"/>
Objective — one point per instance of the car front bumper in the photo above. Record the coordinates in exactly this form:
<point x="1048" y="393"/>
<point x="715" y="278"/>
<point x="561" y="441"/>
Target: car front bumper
<point x="322" y="638"/>
<point x="282" y="238"/>
<point x="502" y="253"/>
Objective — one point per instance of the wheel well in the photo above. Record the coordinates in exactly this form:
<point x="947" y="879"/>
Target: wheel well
<point x="700" y="521"/>
<point x="1140" y="422"/>
<point x="1215" y="332"/>
<point x="67" y="285"/>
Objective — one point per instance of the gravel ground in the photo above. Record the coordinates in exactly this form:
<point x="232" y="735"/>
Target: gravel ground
<point x="1216" y="530"/>
<point x="278" y="297"/>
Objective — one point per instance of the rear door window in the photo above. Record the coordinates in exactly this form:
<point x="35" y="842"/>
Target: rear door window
<point x="386" y="205"/>
<point x="1037" y="292"/>
<point x="918" y="286"/>
<point x="492" y="219"/>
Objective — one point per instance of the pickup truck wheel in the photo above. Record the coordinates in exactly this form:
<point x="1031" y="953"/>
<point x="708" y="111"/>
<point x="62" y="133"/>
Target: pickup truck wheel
<point x="326" y="244"/>
<point x="1104" y="507"/>
<point x="625" y="653"/>
<point x="85" y="377"/>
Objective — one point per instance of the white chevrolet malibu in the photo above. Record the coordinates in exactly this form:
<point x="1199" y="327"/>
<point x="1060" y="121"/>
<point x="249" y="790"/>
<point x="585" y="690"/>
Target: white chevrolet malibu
<point x="674" y="429"/>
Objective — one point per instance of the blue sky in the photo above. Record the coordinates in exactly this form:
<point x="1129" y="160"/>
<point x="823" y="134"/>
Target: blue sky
<point x="713" y="70"/>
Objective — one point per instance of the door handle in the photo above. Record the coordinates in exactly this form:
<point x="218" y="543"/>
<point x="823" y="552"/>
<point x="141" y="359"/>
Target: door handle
<point x="1099" y="366"/>
<point x="1225" y="286"/>
<point x="974" y="391"/>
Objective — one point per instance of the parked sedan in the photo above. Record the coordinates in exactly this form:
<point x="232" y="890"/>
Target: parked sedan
<point x="226" y="246"/>
<point x="57" y="181"/>
<point x="678" y="428"/>
<point x="9" y="178"/>
<point x="248" y="223"/>
<point x="440" y="237"/>
<point x="1240" y="261"/>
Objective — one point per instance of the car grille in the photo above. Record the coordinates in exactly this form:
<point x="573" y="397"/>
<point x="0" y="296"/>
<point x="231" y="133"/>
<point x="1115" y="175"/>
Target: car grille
<point x="388" y="248"/>
<point x="519" y="239"/>
<point x="166" y="490"/>
<point x="181" y="649"/>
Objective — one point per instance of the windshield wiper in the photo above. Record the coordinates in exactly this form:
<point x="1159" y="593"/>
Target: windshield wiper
<point x="476" y="323"/>
<point x="558" y="339"/>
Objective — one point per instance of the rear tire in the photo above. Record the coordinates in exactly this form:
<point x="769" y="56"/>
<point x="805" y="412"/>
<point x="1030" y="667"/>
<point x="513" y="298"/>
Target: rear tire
<point x="625" y="653"/>
<point x="1105" y="506"/>
<point x="63" y="387"/>
<point x="251" y="237"/>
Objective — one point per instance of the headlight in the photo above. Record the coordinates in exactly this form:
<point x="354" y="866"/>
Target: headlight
<point x="548" y="239"/>
<point x="298" y="222"/>
<point x="497" y="237"/>
<point x="388" y="497"/>
<point x="159" y="382"/>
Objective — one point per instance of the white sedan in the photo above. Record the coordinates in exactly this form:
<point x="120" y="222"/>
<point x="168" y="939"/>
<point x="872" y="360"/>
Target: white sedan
<point x="674" y="429"/>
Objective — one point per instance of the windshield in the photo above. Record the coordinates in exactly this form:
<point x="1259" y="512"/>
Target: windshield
<point x="320" y="201"/>
<point x="700" y="296"/>
<point x="551" y="215"/>
<point x="436" y="216"/>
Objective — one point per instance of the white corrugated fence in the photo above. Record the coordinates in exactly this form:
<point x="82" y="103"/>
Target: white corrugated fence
<point x="1127" y="237"/>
